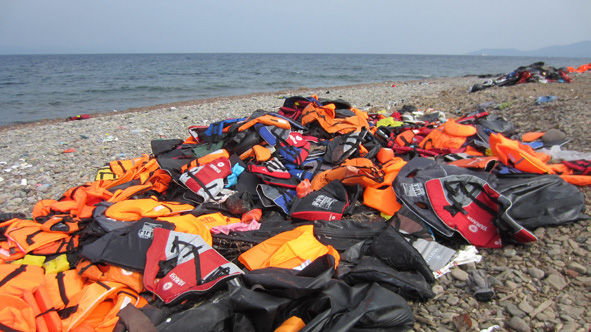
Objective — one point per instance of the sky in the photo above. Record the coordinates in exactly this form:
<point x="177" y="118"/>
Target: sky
<point x="303" y="26"/>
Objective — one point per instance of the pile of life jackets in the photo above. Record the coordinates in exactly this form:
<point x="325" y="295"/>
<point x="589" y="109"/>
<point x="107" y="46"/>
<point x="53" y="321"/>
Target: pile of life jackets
<point x="535" y="73"/>
<point x="580" y="69"/>
<point x="292" y="220"/>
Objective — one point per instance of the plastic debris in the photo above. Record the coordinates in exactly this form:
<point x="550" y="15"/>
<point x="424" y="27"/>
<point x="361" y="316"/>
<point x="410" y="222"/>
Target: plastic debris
<point x="468" y="255"/>
<point x="43" y="187"/>
<point x="545" y="99"/>
<point x="557" y="153"/>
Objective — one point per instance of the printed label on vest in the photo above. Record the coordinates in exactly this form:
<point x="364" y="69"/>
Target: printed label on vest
<point x="323" y="202"/>
<point x="413" y="189"/>
<point x="176" y="279"/>
<point x="147" y="231"/>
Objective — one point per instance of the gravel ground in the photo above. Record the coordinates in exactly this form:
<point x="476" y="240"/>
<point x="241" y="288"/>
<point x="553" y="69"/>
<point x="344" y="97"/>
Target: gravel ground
<point x="539" y="287"/>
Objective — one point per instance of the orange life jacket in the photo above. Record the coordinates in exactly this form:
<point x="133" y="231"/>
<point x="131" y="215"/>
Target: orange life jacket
<point x="351" y="172"/>
<point x="27" y="283"/>
<point x="120" y="167"/>
<point x="16" y="315"/>
<point x="326" y="117"/>
<point x="188" y="223"/>
<point x="520" y="156"/>
<point x="25" y="236"/>
<point x="381" y="196"/>
<point x="405" y="138"/>
<point x="62" y="223"/>
<point x="62" y="286"/>
<point x="205" y="159"/>
<point x="450" y="135"/>
<point x="567" y="175"/>
<point x="132" y="210"/>
<point x="287" y="250"/>
<point x="96" y="306"/>
<point x="79" y="201"/>
<point x="146" y="170"/>
<point x="106" y="272"/>
<point x="15" y="279"/>
<point x="267" y="119"/>
<point x="216" y="219"/>
<point x="480" y="163"/>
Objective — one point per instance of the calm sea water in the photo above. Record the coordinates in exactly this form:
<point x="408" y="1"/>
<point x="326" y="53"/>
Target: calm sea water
<point x="35" y="87"/>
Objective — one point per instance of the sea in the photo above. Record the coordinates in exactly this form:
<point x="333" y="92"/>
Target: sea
<point x="37" y="87"/>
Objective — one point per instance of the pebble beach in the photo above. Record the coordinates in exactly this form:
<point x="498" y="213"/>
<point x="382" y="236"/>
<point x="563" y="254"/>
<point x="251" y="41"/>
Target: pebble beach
<point x="543" y="286"/>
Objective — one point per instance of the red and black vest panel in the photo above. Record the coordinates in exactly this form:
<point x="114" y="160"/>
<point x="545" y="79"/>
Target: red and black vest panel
<point x="328" y="203"/>
<point x="470" y="206"/>
<point x="208" y="180"/>
<point x="125" y="247"/>
<point x="180" y="264"/>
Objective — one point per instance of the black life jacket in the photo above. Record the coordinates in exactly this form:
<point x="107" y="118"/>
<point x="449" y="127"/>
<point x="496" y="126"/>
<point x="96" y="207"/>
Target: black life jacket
<point x="127" y="246"/>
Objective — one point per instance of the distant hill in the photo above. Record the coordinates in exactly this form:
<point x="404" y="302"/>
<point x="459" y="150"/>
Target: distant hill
<point x="576" y="50"/>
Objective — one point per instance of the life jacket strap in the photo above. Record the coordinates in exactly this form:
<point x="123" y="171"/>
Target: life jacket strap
<point x="7" y="328"/>
<point x="62" y="287"/>
<point x="13" y="274"/>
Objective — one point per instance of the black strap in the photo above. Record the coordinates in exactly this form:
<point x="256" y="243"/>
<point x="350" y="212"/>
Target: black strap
<point x="121" y="165"/>
<point x="82" y="270"/>
<point x="219" y="272"/>
<point x="128" y="293"/>
<point x="30" y="237"/>
<point x="460" y="186"/>
<point x="13" y="274"/>
<point x="100" y="283"/>
<point x="195" y="251"/>
<point x="67" y="312"/>
<point x="7" y="328"/>
<point x="205" y="188"/>
<point x="62" y="286"/>
<point x="46" y="312"/>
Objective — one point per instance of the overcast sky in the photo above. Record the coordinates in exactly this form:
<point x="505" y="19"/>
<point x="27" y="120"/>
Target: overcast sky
<point x="315" y="26"/>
